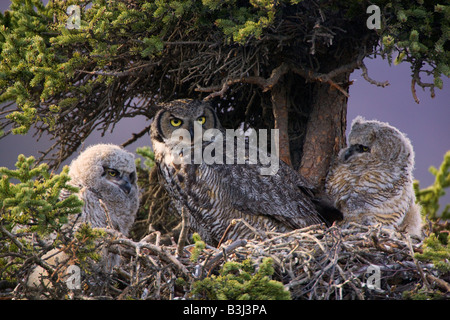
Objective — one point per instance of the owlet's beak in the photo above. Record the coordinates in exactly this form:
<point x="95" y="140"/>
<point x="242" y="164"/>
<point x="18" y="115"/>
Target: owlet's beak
<point x="349" y="152"/>
<point x="125" y="184"/>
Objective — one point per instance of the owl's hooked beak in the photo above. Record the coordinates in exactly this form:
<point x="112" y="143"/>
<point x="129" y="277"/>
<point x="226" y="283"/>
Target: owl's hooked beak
<point x="349" y="152"/>
<point x="196" y="132"/>
<point x="125" y="184"/>
<point x="191" y="132"/>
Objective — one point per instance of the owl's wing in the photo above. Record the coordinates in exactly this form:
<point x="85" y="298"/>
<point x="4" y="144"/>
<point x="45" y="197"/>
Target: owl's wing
<point x="284" y="196"/>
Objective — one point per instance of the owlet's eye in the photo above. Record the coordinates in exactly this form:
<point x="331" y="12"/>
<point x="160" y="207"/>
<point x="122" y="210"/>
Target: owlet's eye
<point x="176" y="122"/>
<point x="365" y="149"/>
<point x="113" y="173"/>
<point x="201" y="120"/>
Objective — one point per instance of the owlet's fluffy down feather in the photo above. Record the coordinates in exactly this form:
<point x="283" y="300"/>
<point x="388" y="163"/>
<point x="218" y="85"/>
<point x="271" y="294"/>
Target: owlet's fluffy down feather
<point x="106" y="177"/>
<point x="371" y="181"/>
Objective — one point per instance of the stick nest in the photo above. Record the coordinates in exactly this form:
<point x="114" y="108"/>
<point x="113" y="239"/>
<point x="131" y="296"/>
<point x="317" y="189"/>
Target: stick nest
<point x="312" y="263"/>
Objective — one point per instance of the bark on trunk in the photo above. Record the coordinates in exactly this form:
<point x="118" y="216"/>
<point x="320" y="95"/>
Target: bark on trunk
<point x="280" y="113"/>
<point x="325" y="131"/>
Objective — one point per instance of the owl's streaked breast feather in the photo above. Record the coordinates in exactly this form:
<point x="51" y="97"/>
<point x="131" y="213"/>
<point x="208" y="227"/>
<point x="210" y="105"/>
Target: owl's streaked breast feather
<point x="373" y="183"/>
<point x="215" y="194"/>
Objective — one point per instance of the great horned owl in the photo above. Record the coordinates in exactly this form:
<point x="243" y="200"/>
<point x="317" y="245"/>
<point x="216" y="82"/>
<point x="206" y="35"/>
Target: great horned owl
<point x="371" y="181"/>
<point x="106" y="176"/>
<point x="214" y="194"/>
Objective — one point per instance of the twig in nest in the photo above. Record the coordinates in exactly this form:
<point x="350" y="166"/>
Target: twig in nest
<point x="419" y="268"/>
<point x="233" y="223"/>
<point x="33" y="258"/>
<point x="439" y="282"/>
<point x="227" y="250"/>
<point x="358" y="292"/>
<point x="156" y="249"/>
<point x="259" y="233"/>
<point x="184" y="232"/>
<point x="378" y="245"/>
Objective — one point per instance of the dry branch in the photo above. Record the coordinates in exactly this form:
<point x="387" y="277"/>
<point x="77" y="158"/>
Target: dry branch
<point x="320" y="263"/>
<point x="370" y="80"/>
<point x="314" y="263"/>
<point x="284" y="68"/>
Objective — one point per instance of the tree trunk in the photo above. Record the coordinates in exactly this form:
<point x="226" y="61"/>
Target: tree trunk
<point x="311" y="118"/>
<point x="325" y="130"/>
<point x="280" y="113"/>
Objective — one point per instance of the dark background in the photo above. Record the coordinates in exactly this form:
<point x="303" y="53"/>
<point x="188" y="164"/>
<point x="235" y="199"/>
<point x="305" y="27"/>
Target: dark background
<point x="427" y="124"/>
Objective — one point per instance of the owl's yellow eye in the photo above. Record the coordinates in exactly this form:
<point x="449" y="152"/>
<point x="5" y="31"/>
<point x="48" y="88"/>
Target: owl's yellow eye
<point x="201" y="120"/>
<point x="365" y="149"/>
<point x="176" y="122"/>
<point x="112" y="173"/>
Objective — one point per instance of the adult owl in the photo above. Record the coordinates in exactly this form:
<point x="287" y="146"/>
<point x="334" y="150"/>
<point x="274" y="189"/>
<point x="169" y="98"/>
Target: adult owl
<point x="371" y="182"/>
<point x="215" y="193"/>
<point x="107" y="179"/>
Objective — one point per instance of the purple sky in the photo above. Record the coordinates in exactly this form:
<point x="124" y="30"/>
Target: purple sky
<point x="426" y="124"/>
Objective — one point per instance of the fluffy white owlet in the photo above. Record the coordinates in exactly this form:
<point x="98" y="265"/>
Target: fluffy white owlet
<point x="107" y="179"/>
<point x="106" y="176"/>
<point x="371" y="181"/>
<point x="213" y="193"/>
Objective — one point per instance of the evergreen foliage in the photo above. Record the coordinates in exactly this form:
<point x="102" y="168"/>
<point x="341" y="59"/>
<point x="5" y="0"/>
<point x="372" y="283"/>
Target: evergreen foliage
<point x="436" y="246"/>
<point x="148" y="156"/>
<point x="437" y="251"/>
<point x="32" y="217"/>
<point x="429" y="197"/>
<point x="418" y="32"/>
<point x="34" y="202"/>
<point x="199" y="246"/>
<point x="126" y="55"/>
<point x="240" y="281"/>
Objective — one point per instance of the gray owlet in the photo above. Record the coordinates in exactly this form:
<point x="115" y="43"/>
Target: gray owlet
<point x="106" y="176"/>
<point x="213" y="193"/>
<point x="371" y="182"/>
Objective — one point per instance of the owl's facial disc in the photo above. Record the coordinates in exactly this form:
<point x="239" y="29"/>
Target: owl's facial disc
<point x="194" y="127"/>
<point x="355" y="149"/>
<point x="123" y="181"/>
